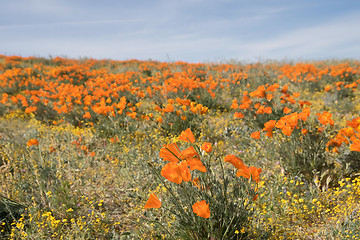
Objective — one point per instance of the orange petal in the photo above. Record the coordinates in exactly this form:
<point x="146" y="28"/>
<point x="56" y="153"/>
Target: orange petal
<point x="172" y="172"/>
<point x="238" y="115"/>
<point x="286" y="110"/>
<point x="201" y="208"/>
<point x="255" y="135"/>
<point x="32" y="142"/>
<point x="170" y="152"/>
<point x="237" y="162"/>
<point x="185" y="171"/>
<point x="187" y="136"/>
<point x="195" y="163"/>
<point x="153" y="202"/>
<point x="207" y="147"/>
<point x="255" y="173"/>
<point x="190" y="152"/>
<point x="243" y="172"/>
<point x="355" y="146"/>
<point x="87" y="115"/>
<point x="268" y="126"/>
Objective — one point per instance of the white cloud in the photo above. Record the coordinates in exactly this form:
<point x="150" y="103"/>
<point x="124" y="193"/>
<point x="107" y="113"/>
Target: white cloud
<point x="316" y="41"/>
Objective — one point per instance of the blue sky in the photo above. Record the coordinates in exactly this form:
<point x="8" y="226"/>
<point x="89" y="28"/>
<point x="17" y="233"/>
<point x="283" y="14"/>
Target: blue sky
<point x="182" y="30"/>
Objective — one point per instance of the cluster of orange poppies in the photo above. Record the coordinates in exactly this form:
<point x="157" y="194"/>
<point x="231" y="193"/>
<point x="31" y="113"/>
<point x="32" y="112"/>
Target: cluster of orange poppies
<point x="180" y="107"/>
<point x="89" y="88"/>
<point x="342" y="85"/>
<point x="151" y="91"/>
<point x="269" y="96"/>
<point x="309" y="72"/>
<point x="243" y="170"/>
<point x="347" y="135"/>
<point x="288" y="123"/>
<point x="266" y="94"/>
<point x="181" y="163"/>
<point x="177" y="170"/>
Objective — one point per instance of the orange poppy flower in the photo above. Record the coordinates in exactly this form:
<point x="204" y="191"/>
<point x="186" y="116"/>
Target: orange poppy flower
<point x="281" y="123"/>
<point x="159" y="119"/>
<point x="30" y="109"/>
<point x="234" y="104"/>
<point x="248" y="172"/>
<point x="296" y="94"/>
<point x="269" y="97"/>
<point x="255" y="135"/>
<point x="355" y="123"/>
<point x="292" y="119"/>
<point x="305" y="113"/>
<point x="87" y="115"/>
<point x="273" y="87"/>
<point x="268" y="110"/>
<point x="153" y="202"/>
<point x="238" y="115"/>
<point x="235" y="161"/>
<point x="201" y="208"/>
<point x="325" y="118"/>
<point x="327" y="88"/>
<point x="255" y="173"/>
<point x="259" y="92"/>
<point x="348" y="132"/>
<point x="268" y="127"/>
<point x="244" y="105"/>
<point x="269" y="134"/>
<point x="207" y="147"/>
<point x="131" y="114"/>
<point x="14" y="99"/>
<point x="286" y="110"/>
<point x="170" y="152"/>
<point x="285" y="89"/>
<point x="287" y="130"/>
<point x="187" y="136"/>
<point x="32" y="142"/>
<point x="355" y="146"/>
<point x="336" y="142"/>
<point x="168" y="108"/>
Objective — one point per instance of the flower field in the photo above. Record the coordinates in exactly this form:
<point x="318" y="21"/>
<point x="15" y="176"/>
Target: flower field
<point x="103" y="149"/>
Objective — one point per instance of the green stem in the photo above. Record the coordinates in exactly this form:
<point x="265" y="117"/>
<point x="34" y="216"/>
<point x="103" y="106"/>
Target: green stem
<point x="177" y="201"/>
<point x="228" y="227"/>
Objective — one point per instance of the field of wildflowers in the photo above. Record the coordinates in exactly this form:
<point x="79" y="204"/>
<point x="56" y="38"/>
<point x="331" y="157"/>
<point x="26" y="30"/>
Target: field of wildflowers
<point x="103" y="149"/>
